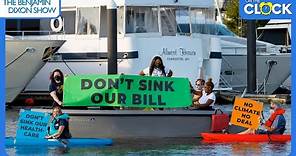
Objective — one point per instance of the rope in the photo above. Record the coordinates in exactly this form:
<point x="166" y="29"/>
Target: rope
<point x="68" y="67"/>
<point x="267" y="75"/>
<point x="27" y="49"/>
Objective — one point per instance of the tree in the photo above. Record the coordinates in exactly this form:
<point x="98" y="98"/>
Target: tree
<point x="233" y="21"/>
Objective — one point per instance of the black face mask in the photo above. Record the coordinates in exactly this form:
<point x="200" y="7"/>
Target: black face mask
<point x="57" y="78"/>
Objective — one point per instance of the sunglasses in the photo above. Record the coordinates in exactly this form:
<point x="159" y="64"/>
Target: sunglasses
<point x="198" y="84"/>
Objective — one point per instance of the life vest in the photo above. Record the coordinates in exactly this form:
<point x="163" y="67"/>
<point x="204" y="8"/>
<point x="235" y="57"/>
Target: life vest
<point x="54" y="124"/>
<point x="278" y="111"/>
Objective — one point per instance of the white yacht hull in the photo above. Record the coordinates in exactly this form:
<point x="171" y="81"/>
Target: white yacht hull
<point x="184" y="55"/>
<point x="23" y="61"/>
<point x="237" y="65"/>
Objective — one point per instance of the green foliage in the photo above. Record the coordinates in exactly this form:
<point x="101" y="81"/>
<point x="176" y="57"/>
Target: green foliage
<point x="233" y="21"/>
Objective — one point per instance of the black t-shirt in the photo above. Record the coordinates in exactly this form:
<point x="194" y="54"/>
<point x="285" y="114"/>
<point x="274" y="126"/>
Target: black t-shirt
<point x="66" y="132"/>
<point x="58" y="89"/>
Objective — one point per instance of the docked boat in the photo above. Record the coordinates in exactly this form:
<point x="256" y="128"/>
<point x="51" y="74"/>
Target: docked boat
<point x="177" y="31"/>
<point x="137" y="123"/>
<point x="13" y="142"/>
<point x="24" y="58"/>
<point x="145" y="29"/>
<point x="278" y="32"/>
<point x="271" y="59"/>
<point x="216" y="137"/>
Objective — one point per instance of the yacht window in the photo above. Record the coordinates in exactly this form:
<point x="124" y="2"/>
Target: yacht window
<point x="203" y="21"/>
<point x="174" y="20"/>
<point x="103" y="21"/>
<point x="274" y="36"/>
<point x="27" y="25"/>
<point x="168" y="21"/>
<point x="183" y="21"/>
<point x="141" y="19"/>
<point x="88" y="20"/>
<point x="69" y="21"/>
<point x="224" y="31"/>
<point x="120" y="18"/>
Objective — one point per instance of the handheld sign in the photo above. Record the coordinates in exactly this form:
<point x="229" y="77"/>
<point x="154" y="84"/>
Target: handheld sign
<point x="32" y="125"/>
<point x="126" y="91"/>
<point x="246" y="113"/>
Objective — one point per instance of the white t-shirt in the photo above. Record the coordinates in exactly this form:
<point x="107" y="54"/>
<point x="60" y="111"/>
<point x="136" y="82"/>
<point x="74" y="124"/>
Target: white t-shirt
<point x="204" y="98"/>
<point x="156" y="71"/>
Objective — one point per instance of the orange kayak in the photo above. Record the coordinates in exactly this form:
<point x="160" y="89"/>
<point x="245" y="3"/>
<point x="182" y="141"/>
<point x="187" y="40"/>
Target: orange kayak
<point x="218" y="137"/>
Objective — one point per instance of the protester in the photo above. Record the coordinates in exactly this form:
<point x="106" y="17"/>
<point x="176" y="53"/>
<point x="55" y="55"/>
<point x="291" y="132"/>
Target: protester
<point x="207" y="97"/>
<point x="56" y="87"/>
<point x="58" y="127"/>
<point x="157" y="68"/>
<point x="199" y="84"/>
<point x="276" y="123"/>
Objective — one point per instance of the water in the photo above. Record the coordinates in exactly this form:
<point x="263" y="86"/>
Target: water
<point x="167" y="146"/>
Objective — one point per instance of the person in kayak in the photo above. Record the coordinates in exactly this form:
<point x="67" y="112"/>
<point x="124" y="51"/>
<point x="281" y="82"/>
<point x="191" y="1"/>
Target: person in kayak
<point x="207" y="97"/>
<point x="58" y="127"/>
<point x="276" y="123"/>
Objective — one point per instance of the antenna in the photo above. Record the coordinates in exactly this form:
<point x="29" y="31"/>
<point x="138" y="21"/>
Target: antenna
<point x="219" y="17"/>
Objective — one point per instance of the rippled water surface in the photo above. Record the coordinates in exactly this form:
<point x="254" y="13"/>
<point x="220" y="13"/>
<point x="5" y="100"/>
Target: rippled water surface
<point x="167" y="146"/>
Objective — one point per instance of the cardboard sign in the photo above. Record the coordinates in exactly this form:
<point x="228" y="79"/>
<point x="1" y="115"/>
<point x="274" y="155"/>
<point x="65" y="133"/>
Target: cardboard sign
<point x="246" y="113"/>
<point x="32" y="125"/>
<point x="126" y="91"/>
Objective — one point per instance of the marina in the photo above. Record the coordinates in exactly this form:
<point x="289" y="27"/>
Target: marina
<point x="110" y="97"/>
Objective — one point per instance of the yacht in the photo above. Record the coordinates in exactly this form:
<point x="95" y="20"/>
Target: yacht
<point x="24" y="58"/>
<point x="278" y="32"/>
<point x="271" y="59"/>
<point x="170" y="29"/>
<point x="186" y="34"/>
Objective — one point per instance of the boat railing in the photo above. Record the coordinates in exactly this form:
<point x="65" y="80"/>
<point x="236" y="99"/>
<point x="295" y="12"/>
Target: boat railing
<point x="40" y="34"/>
<point x="224" y="82"/>
<point x="238" y="50"/>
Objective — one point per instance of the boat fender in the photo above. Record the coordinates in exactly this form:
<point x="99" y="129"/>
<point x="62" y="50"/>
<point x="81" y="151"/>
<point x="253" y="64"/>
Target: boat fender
<point x="56" y="24"/>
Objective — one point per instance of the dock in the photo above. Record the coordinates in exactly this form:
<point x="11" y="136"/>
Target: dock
<point x="228" y="97"/>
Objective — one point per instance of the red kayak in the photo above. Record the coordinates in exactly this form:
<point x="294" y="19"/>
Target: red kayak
<point x="218" y="137"/>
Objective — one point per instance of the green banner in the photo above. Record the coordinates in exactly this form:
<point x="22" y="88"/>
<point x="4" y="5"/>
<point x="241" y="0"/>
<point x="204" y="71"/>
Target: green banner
<point x="126" y="91"/>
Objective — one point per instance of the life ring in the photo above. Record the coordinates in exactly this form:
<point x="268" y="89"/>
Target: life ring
<point x="56" y="24"/>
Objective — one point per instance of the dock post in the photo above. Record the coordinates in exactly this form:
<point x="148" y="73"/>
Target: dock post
<point x="251" y="56"/>
<point x="112" y="37"/>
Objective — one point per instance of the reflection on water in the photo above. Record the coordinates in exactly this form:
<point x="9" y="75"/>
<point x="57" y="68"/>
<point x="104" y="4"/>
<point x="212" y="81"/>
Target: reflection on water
<point x="166" y="146"/>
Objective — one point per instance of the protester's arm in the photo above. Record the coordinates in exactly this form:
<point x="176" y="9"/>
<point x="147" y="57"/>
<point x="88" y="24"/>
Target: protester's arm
<point x="170" y="74"/>
<point x="207" y="104"/>
<point x="62" y="126"/>
<point x="56" y="135"/>
<point x="142" y="73"/>
<point x="274" y="124"/>
<point x="195" y="92"/>
<point x="55" y="97"/>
